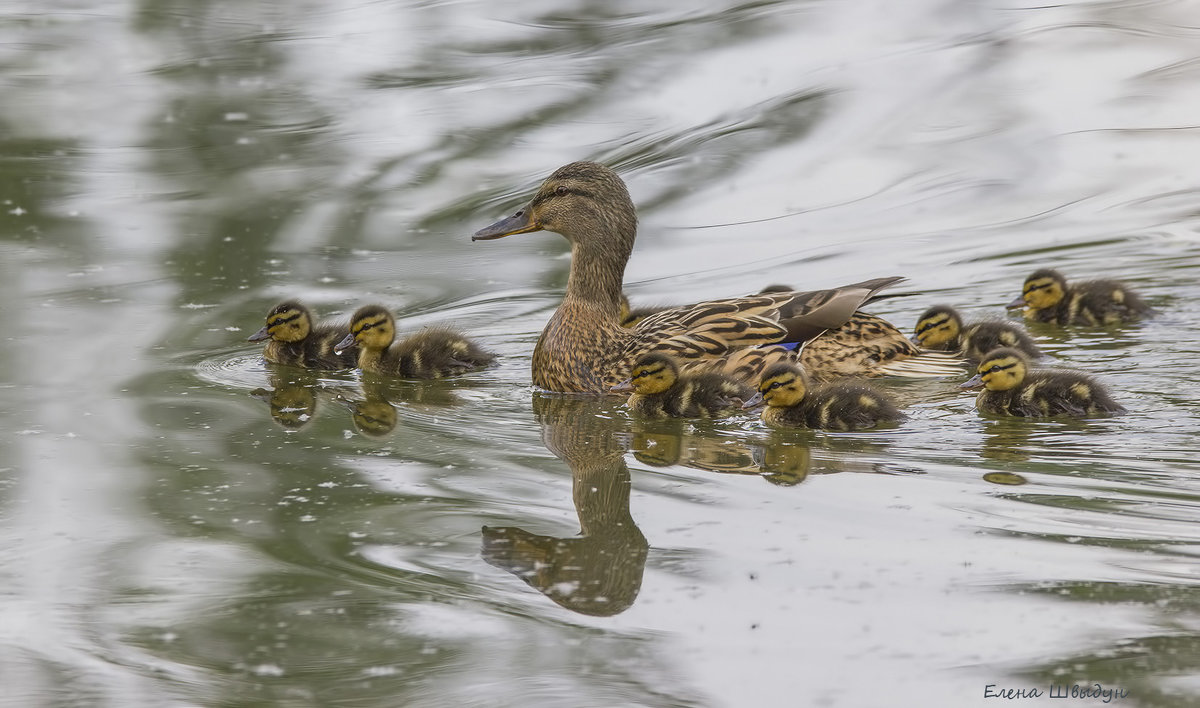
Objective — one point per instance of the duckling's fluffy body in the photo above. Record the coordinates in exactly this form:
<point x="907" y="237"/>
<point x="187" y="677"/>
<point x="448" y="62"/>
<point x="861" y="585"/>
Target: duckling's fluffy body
<point x="793" y="402"/>
<point x="296" y="341"/>
<point x="1047" y="297"/>
<point x="584" y="348"/>
<point x="1011" y="389"/>
<point x="660" y="390"/>
<point x="432" y="353"/>
<point x="941" y="328"/>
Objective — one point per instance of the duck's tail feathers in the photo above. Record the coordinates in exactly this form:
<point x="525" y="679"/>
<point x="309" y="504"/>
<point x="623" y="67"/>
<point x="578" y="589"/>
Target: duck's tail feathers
<point x="927" y="364"/>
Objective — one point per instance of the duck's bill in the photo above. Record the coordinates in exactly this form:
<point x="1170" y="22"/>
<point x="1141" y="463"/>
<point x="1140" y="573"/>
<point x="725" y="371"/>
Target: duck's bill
<point x="259" y="335"/>
<point x="753" y="401"/>
<point x="626" y="385"/>
<point x="343" y="345"/>
<point x="975" y="382"/>
<point x="915" y="340"/>
<point x="1016" y="304"/>
<point x="520" y="223"/>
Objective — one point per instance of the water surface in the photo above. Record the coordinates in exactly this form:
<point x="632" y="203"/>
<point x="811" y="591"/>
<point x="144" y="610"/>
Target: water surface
<point x="182" y="524"/>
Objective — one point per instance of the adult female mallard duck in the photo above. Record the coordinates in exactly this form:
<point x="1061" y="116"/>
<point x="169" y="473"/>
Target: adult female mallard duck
<point x="295" y="341"/>
<point x="660" y="390"/>
<point x="1010" y="388"/>
<point x="941" y="328"/>
<point x="432" y="353"/>
<point x="1046" y="297"/>
<point x="584" y="348"/>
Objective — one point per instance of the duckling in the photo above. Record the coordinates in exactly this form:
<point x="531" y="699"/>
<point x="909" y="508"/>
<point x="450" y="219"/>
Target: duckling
<point x="584" y="348"/>
<point x="1046" y="297"/>
<point x="941" y="328"/>
<point x="792" y="402"/>
<point x="432" y="353"/>
<point x="1010" y="388"/>
<point x="659" y="390"/>
<point x="632" y="316"/>
<point x="296" y="342"/>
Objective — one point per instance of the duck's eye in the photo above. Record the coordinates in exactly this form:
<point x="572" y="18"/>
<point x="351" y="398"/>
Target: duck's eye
<point x="774" y="385"/>
<point x="561" y="190"/>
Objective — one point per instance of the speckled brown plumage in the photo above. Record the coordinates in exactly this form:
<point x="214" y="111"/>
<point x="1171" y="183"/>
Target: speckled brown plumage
<point x="1012" y="389"/>
<point x="584" y="348"/>
<point x="296" y="341"/>
<point x="432" y="353"/>
<point x="941" y="328"/>
<point x="1047" y="297"/>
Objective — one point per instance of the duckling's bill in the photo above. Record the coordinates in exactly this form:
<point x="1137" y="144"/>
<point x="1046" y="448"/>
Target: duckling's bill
<point x="975" y="381"/>
<point x="346" y="343"/>
<point x="1016" y="304"/>
<point x="624" y="386"/>
<point x="520" y="223"/>
<point x="259" y="335"/>
<point x="755" y="400"/>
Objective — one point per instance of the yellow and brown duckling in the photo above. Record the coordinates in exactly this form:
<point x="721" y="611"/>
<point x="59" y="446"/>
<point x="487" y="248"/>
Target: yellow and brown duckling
<point x="661" y="390"/>
<point x="584" y="348"/>
<point x="941" y="328"/>
<point x="793" y="402"/>
<point x="1047" y="297"/>
<point x="296" y="341"/>
<point x="1011" y="388"/>
<point x="432" y="353"/>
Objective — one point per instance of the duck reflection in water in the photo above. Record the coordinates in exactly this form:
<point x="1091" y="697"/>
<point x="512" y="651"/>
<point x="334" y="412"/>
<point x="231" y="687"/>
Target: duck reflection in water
<point x="292" y="398"/>
<point x="598" y="572"/>
<point x="376" y="414"/>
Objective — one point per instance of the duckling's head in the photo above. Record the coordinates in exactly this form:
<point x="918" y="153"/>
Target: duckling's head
<point x="289" y="321"/>
<point x="1000" y="370"/>
<point x="1045" y="288"/>
<point x="584" y="201"/>
<point x="937" y="328"/>
<point x="371" y="327"/>
<point x="653" y="373"/>
<point x="782" y="385"/>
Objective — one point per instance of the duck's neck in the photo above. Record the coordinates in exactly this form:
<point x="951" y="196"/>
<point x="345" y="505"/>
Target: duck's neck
<point x="598" y="260"/>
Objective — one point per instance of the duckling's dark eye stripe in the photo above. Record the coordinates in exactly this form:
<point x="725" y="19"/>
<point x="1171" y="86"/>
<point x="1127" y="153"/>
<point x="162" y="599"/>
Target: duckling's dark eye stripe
<point x="364" y="326"/>
<point x="283" y="320"/>
<point x="1031" y="288"/>
<point x="999" y="367"/>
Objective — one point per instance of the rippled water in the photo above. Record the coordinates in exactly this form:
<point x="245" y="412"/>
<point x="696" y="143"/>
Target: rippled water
<point x="181" y="524"/>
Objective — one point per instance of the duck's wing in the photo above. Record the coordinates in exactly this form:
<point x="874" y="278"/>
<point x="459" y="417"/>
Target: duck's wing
<point x="716" y="327"/>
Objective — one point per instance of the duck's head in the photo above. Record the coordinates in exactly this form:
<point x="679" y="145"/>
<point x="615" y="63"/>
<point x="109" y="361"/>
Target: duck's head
<point x="652" y="373"/>
<point x="583" y="201"/>
<point x="1000" y="370"/>
<point x="937" y="327"/>
<point x="289" y="321"/>
<point x="1045" y="288"/>
<point x="371" y="327"/>
<point x="782" y="385"/>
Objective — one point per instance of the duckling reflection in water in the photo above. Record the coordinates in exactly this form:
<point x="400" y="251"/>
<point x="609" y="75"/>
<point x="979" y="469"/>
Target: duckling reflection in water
<point x="432" y="353"/>
<point x="295" y="341"/>
<point x="1047" y="297"/>
<point x="792" y="402"/>
<point x="941" y="328"/>
<point x="1010" y="388"/>
<point x="293" y="403"/>
<point x="660" y="390"/>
